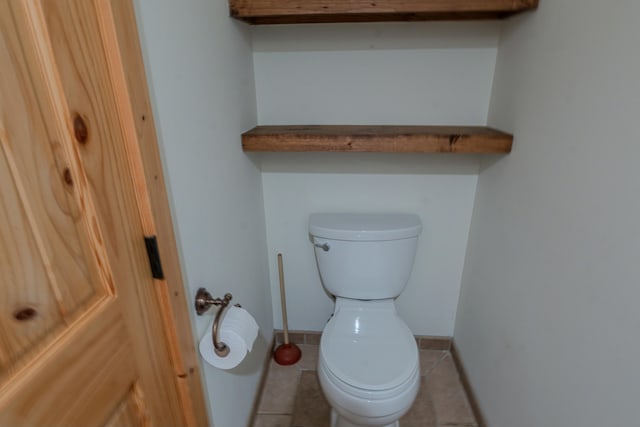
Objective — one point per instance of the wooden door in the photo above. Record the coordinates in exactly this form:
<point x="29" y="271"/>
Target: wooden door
<point x="87" y="336"/>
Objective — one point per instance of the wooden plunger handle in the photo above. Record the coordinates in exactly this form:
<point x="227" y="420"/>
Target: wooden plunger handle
<point x="283" y="300"/>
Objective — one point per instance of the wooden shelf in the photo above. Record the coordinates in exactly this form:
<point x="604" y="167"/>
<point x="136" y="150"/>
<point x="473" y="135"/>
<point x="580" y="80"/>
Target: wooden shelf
<point x="377" y="139"/>
<point x="314" y="11"/>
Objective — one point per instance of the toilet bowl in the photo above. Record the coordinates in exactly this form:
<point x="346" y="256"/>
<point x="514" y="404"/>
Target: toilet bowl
<point x="368" y="363"/>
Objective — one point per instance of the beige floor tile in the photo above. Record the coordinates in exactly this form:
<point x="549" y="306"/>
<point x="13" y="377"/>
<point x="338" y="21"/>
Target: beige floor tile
<point x="266" y="420"/>
<point x="449" y="399"/>
<point x="309" y="359"/>
<point x="429" y="359"/>
<point x="421" y="413"/>
<point x="279" y="391"/>
<point x="313" y="339"/>
<point x="294" y="337"/>
<point x="435" y="343"/>
<point x="311" y="407"/>
<point x="292" y="395"/>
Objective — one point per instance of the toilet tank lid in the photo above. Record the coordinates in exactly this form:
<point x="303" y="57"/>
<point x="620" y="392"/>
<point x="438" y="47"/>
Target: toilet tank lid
<point x="365" y="226"/>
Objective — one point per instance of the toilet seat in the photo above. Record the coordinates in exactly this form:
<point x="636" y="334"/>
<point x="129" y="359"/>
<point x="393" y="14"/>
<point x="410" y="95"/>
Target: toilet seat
<point x="363" y="407"/>
<point x="364" y="394"/>
<point x="367" y="349"/>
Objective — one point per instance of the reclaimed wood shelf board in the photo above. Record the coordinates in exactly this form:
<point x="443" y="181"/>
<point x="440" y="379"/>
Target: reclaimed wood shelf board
<point x="377" y="139"/>
<point x="259" y="12"/>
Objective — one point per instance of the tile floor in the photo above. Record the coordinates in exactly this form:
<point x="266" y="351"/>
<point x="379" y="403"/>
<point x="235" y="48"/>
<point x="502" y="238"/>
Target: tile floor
<point x="292" y="396"/>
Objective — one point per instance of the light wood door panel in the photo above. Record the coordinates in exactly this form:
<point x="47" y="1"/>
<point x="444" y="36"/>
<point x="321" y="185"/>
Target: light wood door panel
<point x="80" y="381"/>
<point x="46" y="278"/>
<point x="20" y="263"/>
<point x="87" y="336"/>
<point x="131" y="412"/>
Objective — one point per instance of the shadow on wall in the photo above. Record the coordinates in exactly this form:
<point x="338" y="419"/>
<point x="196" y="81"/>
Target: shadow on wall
<point x="254" y="361"/>
<point x="374" y="163"/>
<point x="365" y="36"/>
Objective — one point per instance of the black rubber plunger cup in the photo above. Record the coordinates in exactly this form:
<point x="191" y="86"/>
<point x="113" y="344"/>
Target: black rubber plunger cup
<point x="287" y="353"/>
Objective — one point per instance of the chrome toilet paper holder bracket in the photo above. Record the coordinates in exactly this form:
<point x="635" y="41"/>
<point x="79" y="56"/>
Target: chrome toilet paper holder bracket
<point x="203" y="303"/>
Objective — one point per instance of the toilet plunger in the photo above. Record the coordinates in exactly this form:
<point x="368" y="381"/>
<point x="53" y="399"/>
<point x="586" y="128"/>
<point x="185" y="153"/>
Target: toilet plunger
<point x="287" y="353"/>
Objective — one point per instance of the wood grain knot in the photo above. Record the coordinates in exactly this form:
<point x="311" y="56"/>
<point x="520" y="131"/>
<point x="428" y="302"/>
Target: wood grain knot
<point x="80" y="129"/>
<point x="25" y="314"/>
<point x="66" y="175"/>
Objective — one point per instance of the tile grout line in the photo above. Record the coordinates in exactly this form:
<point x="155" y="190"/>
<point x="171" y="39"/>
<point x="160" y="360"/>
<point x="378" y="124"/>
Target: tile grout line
<point x="265" y="371"/>
<point x="293" y="409"/>
<point x="466" y="385"/>
<point x="433" y="406"/>
<point x="426" y="377"/>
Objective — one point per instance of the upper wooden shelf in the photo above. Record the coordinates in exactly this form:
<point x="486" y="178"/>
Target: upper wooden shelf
<point x="380" y="139"/>
<point x="314" y="11"/>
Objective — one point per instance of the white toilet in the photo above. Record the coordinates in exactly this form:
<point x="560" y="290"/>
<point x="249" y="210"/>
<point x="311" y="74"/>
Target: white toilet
<point x="368" y="365"/>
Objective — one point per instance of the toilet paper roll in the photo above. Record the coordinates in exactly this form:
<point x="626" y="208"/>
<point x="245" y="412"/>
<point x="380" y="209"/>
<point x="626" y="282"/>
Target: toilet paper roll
<point x="240" y="321"/>
<point x="238" y="330"/>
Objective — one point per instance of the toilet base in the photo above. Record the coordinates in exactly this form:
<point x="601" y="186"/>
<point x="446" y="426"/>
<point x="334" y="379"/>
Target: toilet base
<point x="338" y="421"/>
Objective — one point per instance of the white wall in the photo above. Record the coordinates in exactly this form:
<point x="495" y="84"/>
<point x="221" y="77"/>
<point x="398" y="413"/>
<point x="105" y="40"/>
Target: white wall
<point x="425" y="73"/>
<point x="199" y="65"/>
<point x="548" y="319"/>
<point x="444" y="202"/>
<point x="374" y="73"/>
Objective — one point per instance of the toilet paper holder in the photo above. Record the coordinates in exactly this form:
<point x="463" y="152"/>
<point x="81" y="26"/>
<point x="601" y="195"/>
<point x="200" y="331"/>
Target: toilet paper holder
<point x="203" y="303"/>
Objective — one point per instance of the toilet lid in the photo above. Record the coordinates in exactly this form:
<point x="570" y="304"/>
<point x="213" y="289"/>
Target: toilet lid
<point x="369" y="349"/>
<point x="365" y="227"/>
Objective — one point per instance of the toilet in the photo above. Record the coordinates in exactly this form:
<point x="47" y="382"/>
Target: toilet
<point x="368" y="363"/>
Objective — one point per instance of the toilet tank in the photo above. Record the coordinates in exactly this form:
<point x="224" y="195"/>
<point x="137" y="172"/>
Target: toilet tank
<point x="365" y="256"/>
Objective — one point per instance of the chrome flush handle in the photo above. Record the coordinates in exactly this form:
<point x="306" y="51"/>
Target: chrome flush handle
<point x="325" y="246"/>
